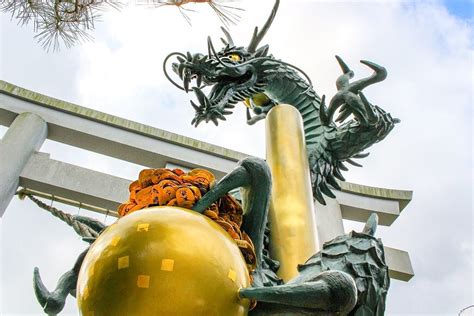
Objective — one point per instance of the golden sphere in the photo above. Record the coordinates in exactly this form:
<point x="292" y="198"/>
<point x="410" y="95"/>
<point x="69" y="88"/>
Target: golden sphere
<point x="163" y="261"/>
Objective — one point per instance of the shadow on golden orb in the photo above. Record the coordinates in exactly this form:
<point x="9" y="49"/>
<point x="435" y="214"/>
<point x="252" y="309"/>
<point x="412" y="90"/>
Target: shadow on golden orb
<point x="163" y="261"/>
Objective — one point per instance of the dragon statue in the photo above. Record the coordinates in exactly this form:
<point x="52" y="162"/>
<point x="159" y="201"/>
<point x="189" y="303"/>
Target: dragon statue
<point x="349" y="276"/>
<point x="251" y="75"/>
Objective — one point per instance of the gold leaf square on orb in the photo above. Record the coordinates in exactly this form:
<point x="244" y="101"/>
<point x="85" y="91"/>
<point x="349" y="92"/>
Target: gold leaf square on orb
<point x="232" y="275"/>
<point x="143" y="281"/>
<point x="143" y="227"/>
<point x="115" y="241"/>
<point x="167" y="265"/>
<point x="123" y="262"/>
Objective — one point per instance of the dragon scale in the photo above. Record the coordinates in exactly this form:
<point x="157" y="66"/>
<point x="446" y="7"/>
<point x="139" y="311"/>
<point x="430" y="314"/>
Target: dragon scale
<point x="292" y="89"/>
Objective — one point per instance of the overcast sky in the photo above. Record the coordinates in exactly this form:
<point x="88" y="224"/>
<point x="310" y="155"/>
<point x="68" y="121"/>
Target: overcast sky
<point x="426" y="47"/>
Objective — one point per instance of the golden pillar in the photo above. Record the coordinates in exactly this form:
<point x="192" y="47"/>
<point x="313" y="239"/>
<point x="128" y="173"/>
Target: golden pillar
<point x="293" y="228"/>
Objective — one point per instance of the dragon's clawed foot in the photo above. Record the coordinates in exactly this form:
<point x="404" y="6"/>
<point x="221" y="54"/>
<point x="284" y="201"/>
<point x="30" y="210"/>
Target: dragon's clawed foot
<point x="350" y="100"/>
<point x="358" y="105"/>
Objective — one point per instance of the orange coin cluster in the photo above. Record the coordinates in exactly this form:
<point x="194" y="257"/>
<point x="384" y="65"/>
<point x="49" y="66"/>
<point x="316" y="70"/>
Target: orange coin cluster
<point x="167" y="187"/>
<point x="159" y="187"/>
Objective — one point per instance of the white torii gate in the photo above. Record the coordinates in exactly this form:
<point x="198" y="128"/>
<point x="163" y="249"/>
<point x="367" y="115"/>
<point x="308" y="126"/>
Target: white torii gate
<point x="32" y="118"/>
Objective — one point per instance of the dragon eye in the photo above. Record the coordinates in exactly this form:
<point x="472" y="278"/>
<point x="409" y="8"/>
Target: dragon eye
<point x="234" y="57"/>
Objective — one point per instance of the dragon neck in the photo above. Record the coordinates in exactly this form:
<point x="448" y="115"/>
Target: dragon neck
<point x="287" y="87"/>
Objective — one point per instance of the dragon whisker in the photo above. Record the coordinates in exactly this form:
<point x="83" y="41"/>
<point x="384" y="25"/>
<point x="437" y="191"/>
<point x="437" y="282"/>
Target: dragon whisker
<point x="165" y="71"/>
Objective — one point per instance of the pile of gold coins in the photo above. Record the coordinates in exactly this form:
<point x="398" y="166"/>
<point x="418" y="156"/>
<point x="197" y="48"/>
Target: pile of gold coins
<point x="166" y="187"/>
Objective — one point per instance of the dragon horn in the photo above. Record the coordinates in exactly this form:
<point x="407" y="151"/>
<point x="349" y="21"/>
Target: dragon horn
<point x="258" y="36"/>
<point x="230" y="41"/>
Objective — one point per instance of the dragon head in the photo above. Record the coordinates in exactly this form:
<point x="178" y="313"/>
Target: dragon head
<point x="235" y="74"/>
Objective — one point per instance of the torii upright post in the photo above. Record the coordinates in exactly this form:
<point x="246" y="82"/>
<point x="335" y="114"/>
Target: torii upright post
<point x="25" y="136"/>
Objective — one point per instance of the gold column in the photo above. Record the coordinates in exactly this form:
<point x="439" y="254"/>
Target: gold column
<point x="293" y="230"/>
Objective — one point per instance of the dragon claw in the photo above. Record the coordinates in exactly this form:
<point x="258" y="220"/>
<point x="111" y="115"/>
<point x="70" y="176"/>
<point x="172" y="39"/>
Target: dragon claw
<point x="206" y="111"/>
<point x="52" y="302"/>
<point x="345" y="69"/>
<point x="379" y="70"/>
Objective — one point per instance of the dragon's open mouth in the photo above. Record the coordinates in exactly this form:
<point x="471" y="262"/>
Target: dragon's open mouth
<point x="227" y="91"/>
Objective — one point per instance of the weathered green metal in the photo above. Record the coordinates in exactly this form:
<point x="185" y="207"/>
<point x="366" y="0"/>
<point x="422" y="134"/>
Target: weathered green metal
<point x="348" y="276"/>
<point x="250" y="74"/>
<point x="253" y="177"/>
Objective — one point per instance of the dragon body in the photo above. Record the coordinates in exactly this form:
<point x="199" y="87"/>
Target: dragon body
<point x="349" y="275"/>
<point x="251" y="75"/>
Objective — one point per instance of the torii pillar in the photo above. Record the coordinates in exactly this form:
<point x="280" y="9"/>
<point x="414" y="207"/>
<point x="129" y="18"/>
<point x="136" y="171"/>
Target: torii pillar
<point x="24" y="137"/>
